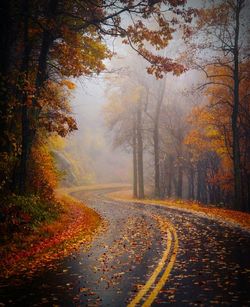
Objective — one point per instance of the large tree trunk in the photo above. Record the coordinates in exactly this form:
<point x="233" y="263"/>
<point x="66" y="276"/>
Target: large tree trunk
<point x="47" y="41"/>
<point x="135" y="179"/>
<point x="28" y="135"/>
<point x="6" y="30"/>
<point x="24" y="109"/>
<point x="9" y="33"/>
<point x="238" y="201"/>
<point x="140" y="153"/>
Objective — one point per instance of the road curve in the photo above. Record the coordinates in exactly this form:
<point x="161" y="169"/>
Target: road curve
<point x="148" y="255"/>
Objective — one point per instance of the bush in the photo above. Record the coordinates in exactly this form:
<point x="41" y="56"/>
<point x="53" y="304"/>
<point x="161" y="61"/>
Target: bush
<point x="23" y="213"/>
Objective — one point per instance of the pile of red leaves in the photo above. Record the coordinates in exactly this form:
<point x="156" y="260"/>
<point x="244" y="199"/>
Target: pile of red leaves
<point x="75" y="226"/>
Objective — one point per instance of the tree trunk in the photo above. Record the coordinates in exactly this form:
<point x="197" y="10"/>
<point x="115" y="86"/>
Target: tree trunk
<point x="157" y="191"/>
<point x="201" y="182"/>
<point x="41" y="77"/>
<point x="238" y="200"/>
<point x="135" y="179"/>
<point x="170" y="175"/>
<point x="24" y="110"/>
<point x="156" y="161"/>
<point x="9" y="33"/>
<point x="180" y="182"/>
<point x="140" y="153"/>
<point x="28" y="135"/>
<point x="191" y="178"/>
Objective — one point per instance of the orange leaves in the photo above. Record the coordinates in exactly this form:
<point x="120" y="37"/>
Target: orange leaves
<point x="138" y="33"/>
<point x="209" y="133"/>
<point x="56" y="112"/>
<point x="43" y="175"/>
<point x="218" y="14"/>
<point x="70" y="85"/>
<point x="161" y="65"/>
<point x="79" y="54"/>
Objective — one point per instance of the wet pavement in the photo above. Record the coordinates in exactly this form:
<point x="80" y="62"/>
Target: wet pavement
<point x="212" y="267"/>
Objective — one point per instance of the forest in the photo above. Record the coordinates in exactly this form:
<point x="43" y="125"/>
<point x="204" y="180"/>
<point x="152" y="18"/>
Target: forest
<point x="190" y="142"/>
<point x="124" y="152"/>
<point x="193" y="140"/>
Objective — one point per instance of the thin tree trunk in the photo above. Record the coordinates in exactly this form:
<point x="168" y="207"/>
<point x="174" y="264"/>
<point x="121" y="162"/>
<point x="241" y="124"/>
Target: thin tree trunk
<point x="191" y="177"/>
<point x="180" y="182"/>
<point x="170" y="176"/>
<point x="199" y="182"/>
<point x="157" y="191"/>
<point x="135" y="179"/>
<point x="156" y="160"/>
<point x="140" y="153"/>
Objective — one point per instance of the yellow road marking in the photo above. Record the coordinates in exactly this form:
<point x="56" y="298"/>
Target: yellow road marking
<point x="153" y="277"/>
<point x="157" y="271"/>
<point x="165" y="275"/>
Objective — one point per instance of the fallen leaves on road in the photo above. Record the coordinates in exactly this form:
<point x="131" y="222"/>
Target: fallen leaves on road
<point x="232" y="216"/>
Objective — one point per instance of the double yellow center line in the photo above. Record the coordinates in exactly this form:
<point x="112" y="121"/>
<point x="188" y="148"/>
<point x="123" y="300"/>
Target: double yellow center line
<point x="172" y="240"/>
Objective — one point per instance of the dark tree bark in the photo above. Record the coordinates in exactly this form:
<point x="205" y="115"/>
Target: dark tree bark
<point x="28" y="134"/>
<point x="9" y="29"/>
<point x="191" y="179"/>
<point x="47" y="41"/>
<point x="24" y="109"/>
<point x="238" y="190"/>
<point x="201" y="182"/>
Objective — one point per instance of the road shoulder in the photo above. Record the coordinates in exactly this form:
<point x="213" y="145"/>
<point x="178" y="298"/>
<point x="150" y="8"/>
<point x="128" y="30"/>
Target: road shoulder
<point x="76" y="226"/>
<point x="230" y="217"/>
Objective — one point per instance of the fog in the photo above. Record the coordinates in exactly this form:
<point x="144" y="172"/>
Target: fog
<point x="90" y="150"/>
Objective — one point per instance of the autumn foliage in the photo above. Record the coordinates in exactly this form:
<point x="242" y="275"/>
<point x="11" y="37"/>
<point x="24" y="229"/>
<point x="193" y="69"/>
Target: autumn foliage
<point x="44" y="45"/>
<point x="43" y="175"/>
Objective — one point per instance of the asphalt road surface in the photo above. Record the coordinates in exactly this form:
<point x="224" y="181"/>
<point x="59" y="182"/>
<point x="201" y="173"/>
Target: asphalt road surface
<point x="147" y="255"/>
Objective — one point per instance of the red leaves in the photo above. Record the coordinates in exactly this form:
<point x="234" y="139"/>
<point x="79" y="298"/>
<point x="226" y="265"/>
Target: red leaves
<point x="74" y="227"/>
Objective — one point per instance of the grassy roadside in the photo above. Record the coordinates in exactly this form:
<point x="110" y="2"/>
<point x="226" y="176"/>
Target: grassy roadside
<point x="241" y="219"/>
<point x="30" y="251"/>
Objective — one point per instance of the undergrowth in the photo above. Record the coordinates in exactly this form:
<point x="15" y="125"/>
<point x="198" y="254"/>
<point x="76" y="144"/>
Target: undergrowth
<point x="22" y="214"/>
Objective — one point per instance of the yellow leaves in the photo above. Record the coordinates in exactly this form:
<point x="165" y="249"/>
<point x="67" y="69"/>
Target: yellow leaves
<point x="56" y="142"/>
<point x="43" y="175"/>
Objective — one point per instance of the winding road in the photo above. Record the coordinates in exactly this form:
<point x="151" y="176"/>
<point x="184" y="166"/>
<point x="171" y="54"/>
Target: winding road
<point x="147" y="255"/>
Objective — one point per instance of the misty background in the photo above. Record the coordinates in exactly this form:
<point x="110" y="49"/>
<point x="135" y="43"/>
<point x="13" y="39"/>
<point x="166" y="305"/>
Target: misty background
<point x="89" y="155"/>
